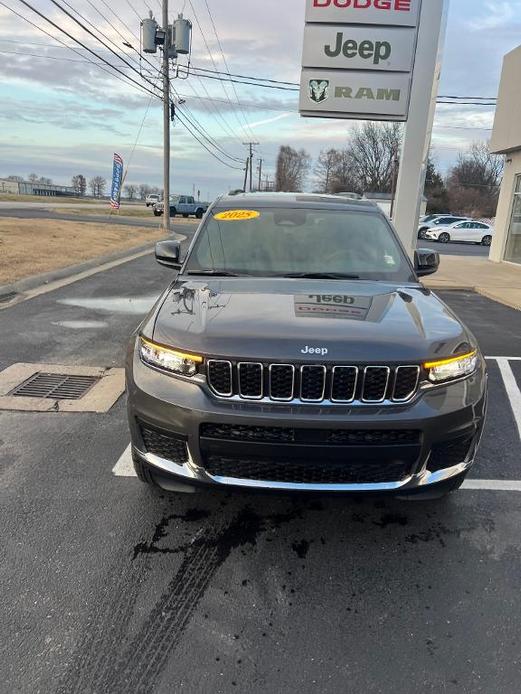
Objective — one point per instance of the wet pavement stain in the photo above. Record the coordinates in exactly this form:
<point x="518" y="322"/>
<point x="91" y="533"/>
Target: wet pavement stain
<point x="301" y="548"/>
<point x="391" y="519"/>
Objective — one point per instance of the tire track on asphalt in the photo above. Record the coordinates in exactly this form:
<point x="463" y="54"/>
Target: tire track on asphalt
<point x="107" y="660"/>
<point x="141" y="665"/>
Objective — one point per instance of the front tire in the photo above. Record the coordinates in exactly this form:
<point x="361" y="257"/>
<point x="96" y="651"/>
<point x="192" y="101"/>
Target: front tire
<point x="157" y="214"/>
<point x="173" y="212"/>
<point x="486" y="241"/>
<point x="444" y="238"/>
<point x="199" y="214"/>
<point x="421" y="232"/>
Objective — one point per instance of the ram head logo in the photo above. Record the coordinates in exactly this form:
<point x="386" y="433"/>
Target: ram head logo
<point x="318" y="90"/>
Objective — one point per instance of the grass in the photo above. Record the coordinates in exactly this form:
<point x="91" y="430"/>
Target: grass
<point x="124" y="211"/>
<point x="33" y="246"/>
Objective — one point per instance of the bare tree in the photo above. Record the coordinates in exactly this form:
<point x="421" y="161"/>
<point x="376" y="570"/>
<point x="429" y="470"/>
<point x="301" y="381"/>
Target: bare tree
<point x="292" y="169"/>
<point x="18" y="179"/>
<point x="343" y="180"/>
<point x="97" y="184"/>
<point x="46" y="181"/>
<point x="325" y="168"/>
<point x="372" y="151"/>
<point x="473" y="183"/>
<point x="79" y="183"/>
<point x="131" y="191"/>
<point x="32" y="178"/>
<point x="144" y="190"/>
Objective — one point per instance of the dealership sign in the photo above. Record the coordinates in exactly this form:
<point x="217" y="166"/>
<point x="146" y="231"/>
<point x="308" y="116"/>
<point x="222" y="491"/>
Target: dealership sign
<point x="383" y="12"/>
<point x="358" y="58"/>
<point x="354" y="94"/>
<point x="359" y="47"/>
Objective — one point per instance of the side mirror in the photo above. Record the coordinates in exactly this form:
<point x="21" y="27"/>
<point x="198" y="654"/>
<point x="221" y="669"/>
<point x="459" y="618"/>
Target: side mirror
<point x="167" y="254"/>
<point x="426" y="262"/>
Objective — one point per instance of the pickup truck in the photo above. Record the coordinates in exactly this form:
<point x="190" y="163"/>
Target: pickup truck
<point x="182" y="204"/>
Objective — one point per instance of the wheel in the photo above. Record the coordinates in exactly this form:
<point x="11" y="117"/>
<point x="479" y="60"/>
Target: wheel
<point x="199" y="214"/>
<point x="486" y="241"/>
<point x="444" y="238"/>
<point x="436" y="492"/>
<point x="173" y="212"/>
<point x="185" y="216"/>
<point x="421" y="232"/>
<point x="157" y="214"/>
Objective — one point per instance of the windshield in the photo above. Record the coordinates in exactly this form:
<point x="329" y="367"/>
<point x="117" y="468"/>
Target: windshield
<point x="285" y="242"/>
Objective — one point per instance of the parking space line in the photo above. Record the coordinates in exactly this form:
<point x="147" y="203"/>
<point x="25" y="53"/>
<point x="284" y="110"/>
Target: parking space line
<point x="507" y="358"/>
<point x="513" y="392"/>
<point x="124" y="466"/>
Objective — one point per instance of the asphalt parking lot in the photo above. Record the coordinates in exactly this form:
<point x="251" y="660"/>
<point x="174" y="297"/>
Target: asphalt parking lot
<point x="108" y="587"/>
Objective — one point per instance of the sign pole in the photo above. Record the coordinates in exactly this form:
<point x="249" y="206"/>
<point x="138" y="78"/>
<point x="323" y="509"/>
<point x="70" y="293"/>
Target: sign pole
<point x="418" y="131"/>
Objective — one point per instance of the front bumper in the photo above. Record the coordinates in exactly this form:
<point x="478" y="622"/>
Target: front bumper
<point x="181" y="408"/>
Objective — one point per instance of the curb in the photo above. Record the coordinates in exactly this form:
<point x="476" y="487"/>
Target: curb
<point x="34" y="281"/>
<point x="29" y="287"/>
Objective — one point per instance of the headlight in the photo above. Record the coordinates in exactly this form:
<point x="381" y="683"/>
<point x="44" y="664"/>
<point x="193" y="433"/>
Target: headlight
<point x="455" y="367"/>
<point x="168" y="359"/>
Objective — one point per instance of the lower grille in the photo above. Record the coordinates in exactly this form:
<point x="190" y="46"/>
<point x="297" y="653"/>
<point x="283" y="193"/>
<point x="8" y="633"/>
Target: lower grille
<point x="444" y="455"/>
<point x="295" y="472"/>
<point x="335" y="437"/>
<point x="164" y="445"/>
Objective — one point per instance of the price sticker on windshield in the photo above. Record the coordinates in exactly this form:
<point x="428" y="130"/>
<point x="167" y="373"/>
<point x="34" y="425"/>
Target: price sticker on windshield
<point x="236" y="215"/>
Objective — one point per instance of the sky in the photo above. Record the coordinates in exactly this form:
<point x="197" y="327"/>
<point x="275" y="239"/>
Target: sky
<point x="61" y="115"/>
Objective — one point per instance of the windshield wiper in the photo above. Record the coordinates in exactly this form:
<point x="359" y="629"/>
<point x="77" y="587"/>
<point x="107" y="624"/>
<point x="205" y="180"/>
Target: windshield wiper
<point x="322" y="276"/>
<point x="214" y="273"/>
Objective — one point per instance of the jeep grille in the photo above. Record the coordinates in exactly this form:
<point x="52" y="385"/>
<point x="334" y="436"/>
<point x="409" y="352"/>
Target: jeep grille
<point x="312" y="383"/>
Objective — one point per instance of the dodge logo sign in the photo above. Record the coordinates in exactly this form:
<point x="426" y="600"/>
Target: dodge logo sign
<point x="318" y="90"/>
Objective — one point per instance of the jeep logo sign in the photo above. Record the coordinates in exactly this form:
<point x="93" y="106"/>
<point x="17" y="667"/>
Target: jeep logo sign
<point x="355" y="94"/>
<point x="387" y="49"/>
<point x="384" y="12"/>
<point x="358" y="58"/>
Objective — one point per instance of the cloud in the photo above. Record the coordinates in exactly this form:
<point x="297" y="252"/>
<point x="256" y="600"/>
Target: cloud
<point x="497" y="14"/>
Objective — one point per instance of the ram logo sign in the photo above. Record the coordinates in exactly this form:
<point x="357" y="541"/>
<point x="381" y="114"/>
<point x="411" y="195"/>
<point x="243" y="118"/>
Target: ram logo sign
<point x="361" y="94"/>
<point x="318" y="90"/>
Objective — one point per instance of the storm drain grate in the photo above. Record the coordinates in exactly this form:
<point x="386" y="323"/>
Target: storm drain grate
<point x="55" y="386"/>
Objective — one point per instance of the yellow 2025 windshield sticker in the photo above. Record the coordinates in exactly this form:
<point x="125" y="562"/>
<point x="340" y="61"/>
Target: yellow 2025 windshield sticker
<point x="236" y="215"/>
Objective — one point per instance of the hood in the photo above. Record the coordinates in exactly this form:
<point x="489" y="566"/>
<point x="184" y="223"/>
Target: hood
<point x="302" y="320"/>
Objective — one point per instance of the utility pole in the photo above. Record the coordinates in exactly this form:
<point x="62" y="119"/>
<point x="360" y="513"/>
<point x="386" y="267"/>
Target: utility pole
<point x="166" y="121"/>
<point x="260" y="174"/>
<point x="175" y="39"/>
<point x="246" y="174"/>
<point x="251" y="145"/>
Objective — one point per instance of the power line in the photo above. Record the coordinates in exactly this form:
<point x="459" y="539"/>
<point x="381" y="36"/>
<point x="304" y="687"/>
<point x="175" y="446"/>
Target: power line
<point x="226" y="63"/>
<point x="85" y="19"/>
<point x="213" y="62"/>
<point x="103" y="61"/>
<point x="130" y="83"/>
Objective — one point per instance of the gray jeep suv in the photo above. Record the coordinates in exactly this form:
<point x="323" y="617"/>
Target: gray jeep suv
<point x="296" y="349"/>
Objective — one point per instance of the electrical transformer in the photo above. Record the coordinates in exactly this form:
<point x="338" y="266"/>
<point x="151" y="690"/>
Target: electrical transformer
<point x="183" y="33"/>
<point x="148" y="35"/>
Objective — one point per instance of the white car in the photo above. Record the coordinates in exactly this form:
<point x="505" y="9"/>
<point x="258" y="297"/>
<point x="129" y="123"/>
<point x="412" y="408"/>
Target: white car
<point x="152" y="200"/>
<point x="467" y="231"/>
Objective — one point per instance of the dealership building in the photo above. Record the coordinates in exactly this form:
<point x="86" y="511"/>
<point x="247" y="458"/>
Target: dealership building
<point x="506" y="139"/>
